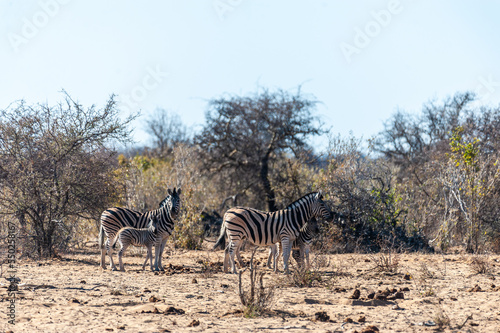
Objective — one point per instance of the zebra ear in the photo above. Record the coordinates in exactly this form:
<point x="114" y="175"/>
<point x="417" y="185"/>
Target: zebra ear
<point x="169" y="191"/>
<point x="319" y="195"/>
<point x="179" y="191"/>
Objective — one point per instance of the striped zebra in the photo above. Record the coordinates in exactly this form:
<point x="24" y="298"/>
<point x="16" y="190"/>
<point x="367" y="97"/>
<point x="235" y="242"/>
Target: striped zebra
<point x="300" y="248"/>
<point x="113" y="219"/>
<point x="268" y="228"/>
<point x="127" y="236"/>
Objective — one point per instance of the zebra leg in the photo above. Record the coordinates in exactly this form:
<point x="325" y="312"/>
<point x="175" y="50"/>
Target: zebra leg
<point x="286" y="243"/>
<point x="272" y="252"/>
<point x="157" y="253"/>
<point x="233" y="247"/>
<point x="240" y="260"/>
<point x="226" y="258"/>
<point x="163" y="244"/>
<point x="307" y="249"/>
<point x="148" y="257"/>
<point x="110" y="254"/>
<point x="276" y="256"/>
<point x="103" y="254"/>
<point x="120" y="256"/>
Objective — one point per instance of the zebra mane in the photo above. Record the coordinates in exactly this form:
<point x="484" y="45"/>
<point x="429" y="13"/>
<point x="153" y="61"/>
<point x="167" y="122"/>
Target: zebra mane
<point x="302" y="197"/>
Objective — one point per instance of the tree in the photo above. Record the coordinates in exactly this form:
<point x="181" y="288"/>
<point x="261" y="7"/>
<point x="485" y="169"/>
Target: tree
<point x="247" y="134"/>
<point x="167" y="130"/>
<point x="56" y="168"/>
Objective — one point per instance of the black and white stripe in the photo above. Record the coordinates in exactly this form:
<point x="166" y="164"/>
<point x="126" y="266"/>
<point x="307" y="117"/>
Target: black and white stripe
<point x="267" y="228"/>
<point x="301" y="246"/>
<point x="127" y="236"/>
<point x="114" y="219"/>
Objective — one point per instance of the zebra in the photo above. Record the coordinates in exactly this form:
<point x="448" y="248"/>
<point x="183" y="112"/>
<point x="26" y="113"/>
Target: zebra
<point x="147" y="237"/>
<point x="267" y="228"/>
<point x="301" y="245"/>
<point x="113" y="219"/>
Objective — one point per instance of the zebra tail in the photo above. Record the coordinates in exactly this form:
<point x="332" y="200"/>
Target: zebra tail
<point x="113" y="245"/>
<point x="221" y="241"/>
<point x="101" y="237"/>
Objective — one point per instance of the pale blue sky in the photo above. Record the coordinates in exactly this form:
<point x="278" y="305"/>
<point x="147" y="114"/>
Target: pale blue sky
<point x="179" y="54"/>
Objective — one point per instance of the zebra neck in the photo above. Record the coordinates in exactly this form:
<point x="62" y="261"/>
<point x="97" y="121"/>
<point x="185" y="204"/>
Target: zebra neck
<point x="300" y="215"/>
<point x="163" y="213"/>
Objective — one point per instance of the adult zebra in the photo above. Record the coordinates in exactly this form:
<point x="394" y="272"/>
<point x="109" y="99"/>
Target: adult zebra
<point x="114" y="219"/>
<point x="267" y="228"/>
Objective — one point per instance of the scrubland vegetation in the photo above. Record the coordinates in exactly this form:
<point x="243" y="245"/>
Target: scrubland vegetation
<point x="428" y="181"/>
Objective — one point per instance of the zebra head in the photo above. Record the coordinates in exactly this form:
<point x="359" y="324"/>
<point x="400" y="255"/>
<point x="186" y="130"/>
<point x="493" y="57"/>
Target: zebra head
<point x="320" y="209"/>
<point x="313" y="226"/>
<point x="172" y="202"/>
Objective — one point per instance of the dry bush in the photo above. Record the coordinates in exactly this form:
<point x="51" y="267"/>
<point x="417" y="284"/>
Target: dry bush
<point x="425" y="272"/>
<point x="386" y="261"/>
<point x="259" y="299"/>
<point x="441" y="319"/>
<point x="303" y="277"/>
<point x="480" y="264"/>
<point x="209" y="267"/>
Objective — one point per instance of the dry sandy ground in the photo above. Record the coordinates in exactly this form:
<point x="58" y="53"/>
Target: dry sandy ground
<point x="73" y="294"/>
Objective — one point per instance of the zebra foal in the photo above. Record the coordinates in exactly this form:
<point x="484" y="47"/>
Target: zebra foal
<point x="268" y="228"/>
<point x="114" y="219"/>
<point x="127" y="236"/>
<point x="301" y="246"/>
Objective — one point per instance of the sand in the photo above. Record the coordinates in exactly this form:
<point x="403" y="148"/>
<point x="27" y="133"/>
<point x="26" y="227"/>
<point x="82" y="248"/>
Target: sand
<point x="424" y="292"/>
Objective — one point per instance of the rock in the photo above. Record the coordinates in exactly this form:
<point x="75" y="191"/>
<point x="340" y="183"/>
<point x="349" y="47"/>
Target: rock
<point x="154" y="299"/>
<point x="476" y="289"/>
<point x="370" y="329"/>
<point x="172" y="310"/>
<point x="321" y="316"/>
<point x="355" y="294"/>
<point x="361" y="319"/>
<point x="194" y="323"/>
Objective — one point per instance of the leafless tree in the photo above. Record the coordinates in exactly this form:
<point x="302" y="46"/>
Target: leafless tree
<point x="247" y="134"/>
<point x="167" y="130"/>
<point x="56" y="167"/>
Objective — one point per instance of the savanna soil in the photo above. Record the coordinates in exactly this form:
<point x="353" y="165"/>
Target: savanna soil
<point x="413" y="293"/>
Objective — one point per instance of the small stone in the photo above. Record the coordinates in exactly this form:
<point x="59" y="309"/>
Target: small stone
<point x="355" y="294"/>
<point x="321" y="316"/>
<point x="476" y="289"/>
<point x="407" y="276"/>
<point x="399" y="295"/>
<point x="370" y="329"/>
<point x="194" y="323"/>
<point x="361" y="319"/>
<point x="154" y="299"/>
<point x="194" y="281"/>
<point x="348" y="320"/>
